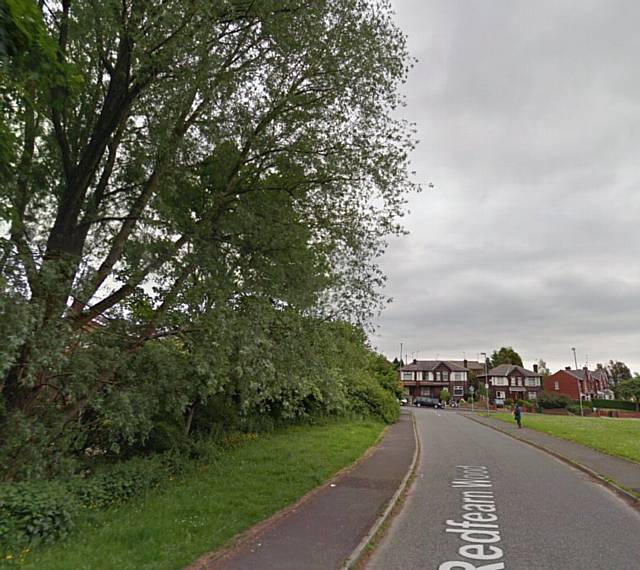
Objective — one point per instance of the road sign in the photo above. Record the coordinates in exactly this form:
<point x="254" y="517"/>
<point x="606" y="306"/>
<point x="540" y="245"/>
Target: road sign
<point x="471" y="389"/>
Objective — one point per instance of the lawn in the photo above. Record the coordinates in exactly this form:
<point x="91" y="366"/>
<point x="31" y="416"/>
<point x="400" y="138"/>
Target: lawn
<point x="169" y="529"/>
<point x="612" y="436"/>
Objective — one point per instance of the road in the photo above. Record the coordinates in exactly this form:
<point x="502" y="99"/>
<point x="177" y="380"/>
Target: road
<point x="522" y="508"/>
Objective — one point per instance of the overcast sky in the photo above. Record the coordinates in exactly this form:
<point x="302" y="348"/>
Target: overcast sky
<point x="528" y="116"/>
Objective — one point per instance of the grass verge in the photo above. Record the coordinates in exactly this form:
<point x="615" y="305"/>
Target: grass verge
<point x="168" y="529"/>
<point x="614" y="437"/>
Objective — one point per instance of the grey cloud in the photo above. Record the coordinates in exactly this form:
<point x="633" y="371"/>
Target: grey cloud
<point x="529" y="119"/>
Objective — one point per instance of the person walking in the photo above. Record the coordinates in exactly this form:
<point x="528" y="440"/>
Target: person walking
<point x="517" y="414"/>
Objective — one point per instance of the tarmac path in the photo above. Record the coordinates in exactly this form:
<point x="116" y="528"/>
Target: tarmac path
<point x="481" y="499"/>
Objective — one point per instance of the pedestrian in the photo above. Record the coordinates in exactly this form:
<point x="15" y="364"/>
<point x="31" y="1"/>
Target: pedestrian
<point x="517" y="414"/>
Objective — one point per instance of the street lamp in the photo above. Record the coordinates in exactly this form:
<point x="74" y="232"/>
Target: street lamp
<point x="486" y="378"/>
<point x="575" y="360"/>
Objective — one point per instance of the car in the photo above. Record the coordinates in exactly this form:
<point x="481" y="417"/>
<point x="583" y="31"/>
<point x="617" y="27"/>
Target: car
<point x="427" y="403"/>
<point x="404" y="401"/>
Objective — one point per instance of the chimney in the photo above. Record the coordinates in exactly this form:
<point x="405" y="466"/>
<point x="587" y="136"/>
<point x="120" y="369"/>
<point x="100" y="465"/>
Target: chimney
<point x="567" y="367"/>
<point x="464" y="363"/>
<point x="415" y="361"/>
<point x="535" y="368"/>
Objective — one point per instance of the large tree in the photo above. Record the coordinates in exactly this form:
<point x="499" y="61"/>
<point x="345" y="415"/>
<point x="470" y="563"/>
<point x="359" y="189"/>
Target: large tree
<point x="505" y="355"/>
<point x="630" y="389"/>
<point x="617" y="372"/>
<point x="185" y="164"/>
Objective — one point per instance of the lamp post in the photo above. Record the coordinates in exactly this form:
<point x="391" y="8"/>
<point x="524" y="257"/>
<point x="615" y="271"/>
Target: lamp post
<point x="486" y="378"/>
<point x="575" y="360"/>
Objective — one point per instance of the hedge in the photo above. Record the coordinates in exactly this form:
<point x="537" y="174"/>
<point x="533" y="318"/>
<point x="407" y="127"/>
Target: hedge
<point x="614" y="404"/>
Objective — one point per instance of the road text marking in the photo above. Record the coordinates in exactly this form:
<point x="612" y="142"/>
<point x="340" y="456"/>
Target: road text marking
<point x="479" y="527"/>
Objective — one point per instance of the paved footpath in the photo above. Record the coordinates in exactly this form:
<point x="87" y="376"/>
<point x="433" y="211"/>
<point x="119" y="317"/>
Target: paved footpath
<point x="625" y="473"/>
<point x="482" y="499"/>
<point x="323" y="531"/>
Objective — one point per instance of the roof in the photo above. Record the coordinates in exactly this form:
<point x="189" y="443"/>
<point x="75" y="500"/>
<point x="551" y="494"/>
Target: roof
<point x="592" y="373"/>
<point x="471" y="364"/>
<point x="507" y="369"/>
<point x="425" y="365"/>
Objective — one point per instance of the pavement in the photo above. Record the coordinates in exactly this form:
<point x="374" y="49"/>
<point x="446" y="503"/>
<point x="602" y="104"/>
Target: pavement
<point x="619" y="474"/>
<point x="329" y="527"/>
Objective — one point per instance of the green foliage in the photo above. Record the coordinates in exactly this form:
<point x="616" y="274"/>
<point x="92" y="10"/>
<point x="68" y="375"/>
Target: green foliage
<point x="178" y="268"/>
<point x="32" y="513"/>
<point x="445" y="395"/>
<point x="553" y="400"/>
<point x="211" y="503"/>
<point x="630" y="389"/>
<point x="42" y="512"/>
<point x="505" y="355"/>
<point x="613" y="404"/>
<point x="578" y="410"/>
<point x="617" y="372"/>
<point x="371" y="399"/>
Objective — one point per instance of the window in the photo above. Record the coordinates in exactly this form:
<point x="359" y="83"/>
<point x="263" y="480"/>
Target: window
<point x="431" y="376"/>
<point x="407" y="375"/>
<point x="458" y="376"/>
<point x="438" y="376"/>
<point x="532" y="395"/>
<point x="445" y="376"/>
<point x="500" y="395"/>
<point x="425" y="391"/>
<point x="424" y="376"/>
<point x="556" y="385"/>
<point x="532" y="382"/>
<point x="458" y="391"/>
<point x="499" y="381"/>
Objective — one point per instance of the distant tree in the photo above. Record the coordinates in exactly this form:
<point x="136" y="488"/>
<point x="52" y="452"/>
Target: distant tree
<point x="543" y="368"/>
<point x="396" y="363"/>
<point x="473" y="379"/>
<point x="630" y="390"/>
<point x="445" y="396"/>
<point x="617" y="371"/>
<point x="506" y="355"/>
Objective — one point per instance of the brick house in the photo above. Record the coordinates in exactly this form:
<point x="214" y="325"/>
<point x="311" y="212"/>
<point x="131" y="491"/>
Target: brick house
<point x="590" y="383"/>
<point x="427" y="378"/>
<point x="512" y="381"/>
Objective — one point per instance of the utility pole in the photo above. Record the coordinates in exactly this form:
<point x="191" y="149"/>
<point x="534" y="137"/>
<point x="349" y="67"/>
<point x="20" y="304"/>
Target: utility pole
<point x="575" y="360"/>
<point x="486" y="378"/>
<point x="400" y="353"/>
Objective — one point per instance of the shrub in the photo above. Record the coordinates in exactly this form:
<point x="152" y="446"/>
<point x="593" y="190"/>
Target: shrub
<point x="35" y="512"/>
<point x="368" y="398"/>
<point x="120" y="482"/>
<point x="552" y="400"/>
<point x="40" y="512"/>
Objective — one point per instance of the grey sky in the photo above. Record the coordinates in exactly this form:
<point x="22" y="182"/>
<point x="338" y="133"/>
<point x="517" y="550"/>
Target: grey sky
<point x="528" y="116"/>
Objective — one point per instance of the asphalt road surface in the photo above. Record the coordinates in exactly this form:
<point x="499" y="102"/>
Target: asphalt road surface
<point x="483" y="500"/>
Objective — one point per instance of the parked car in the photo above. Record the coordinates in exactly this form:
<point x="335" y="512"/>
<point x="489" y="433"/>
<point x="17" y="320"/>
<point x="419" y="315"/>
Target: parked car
<point x="427" y="403"/>
<point x="404" y="401"/>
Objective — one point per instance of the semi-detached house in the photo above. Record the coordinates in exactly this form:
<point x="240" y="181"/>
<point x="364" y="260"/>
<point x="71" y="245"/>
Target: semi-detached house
<point x="427" y="378"/>
<point x="509" y="381"/>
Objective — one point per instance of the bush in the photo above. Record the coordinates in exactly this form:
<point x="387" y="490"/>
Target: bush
<point x="35" y="512"/>
<point x="368" y="398"/>
<point x="41" y="512"/>
<point x="550" y="400"/>
<point x="121" y="482"/>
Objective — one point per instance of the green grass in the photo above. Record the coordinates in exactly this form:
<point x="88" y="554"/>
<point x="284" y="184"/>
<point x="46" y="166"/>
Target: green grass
<point x="169" y="529"/>
<point x="615" y="437"/>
